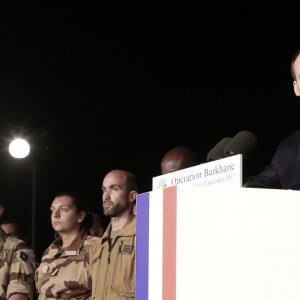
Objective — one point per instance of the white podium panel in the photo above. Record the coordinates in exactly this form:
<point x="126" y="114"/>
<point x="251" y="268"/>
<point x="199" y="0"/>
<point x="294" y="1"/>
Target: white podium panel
<point x="222" y="172"/>
<point x="217" y="243"/>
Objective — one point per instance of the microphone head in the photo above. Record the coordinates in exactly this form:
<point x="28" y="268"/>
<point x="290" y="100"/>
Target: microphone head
<point x="244" y="142"/>
<point x="217" y="152"/>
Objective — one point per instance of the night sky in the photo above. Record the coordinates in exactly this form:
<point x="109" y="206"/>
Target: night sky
<point x="98" y="86"/>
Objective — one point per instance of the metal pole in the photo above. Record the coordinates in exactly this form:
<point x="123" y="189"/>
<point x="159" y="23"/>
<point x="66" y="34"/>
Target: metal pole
<point x="33" y="199"/>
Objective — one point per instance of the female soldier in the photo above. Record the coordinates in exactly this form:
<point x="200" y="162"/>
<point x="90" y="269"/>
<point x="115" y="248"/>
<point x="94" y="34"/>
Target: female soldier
<point x="63" y="272"/>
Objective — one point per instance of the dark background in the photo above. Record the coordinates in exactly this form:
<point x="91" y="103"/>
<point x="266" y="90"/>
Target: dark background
<point x="98" y="86"/>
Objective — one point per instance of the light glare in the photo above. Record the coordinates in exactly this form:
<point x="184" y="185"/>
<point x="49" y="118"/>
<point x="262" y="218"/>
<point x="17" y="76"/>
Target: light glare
<point x="19" y="148"/>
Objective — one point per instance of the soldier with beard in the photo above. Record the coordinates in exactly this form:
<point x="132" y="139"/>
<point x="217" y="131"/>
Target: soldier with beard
<point x="112" y="260"/>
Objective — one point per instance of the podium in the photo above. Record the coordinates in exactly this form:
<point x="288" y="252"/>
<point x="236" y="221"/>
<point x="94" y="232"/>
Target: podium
<point x="213" y="243"/>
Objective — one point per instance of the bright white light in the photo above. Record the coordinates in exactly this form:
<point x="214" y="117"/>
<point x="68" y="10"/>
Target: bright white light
<point x="19" y="148"/>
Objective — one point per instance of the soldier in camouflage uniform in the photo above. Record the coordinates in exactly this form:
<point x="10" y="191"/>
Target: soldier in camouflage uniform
<point x="112" y="261"/>
<point x="17" y="266"/>
<point x="63" y="272"/>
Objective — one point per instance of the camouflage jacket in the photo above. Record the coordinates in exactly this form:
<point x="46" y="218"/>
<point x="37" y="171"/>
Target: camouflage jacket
<point x="17" y="266"/>
<point x="113" y="264"/>
<point x="63" y="273"/>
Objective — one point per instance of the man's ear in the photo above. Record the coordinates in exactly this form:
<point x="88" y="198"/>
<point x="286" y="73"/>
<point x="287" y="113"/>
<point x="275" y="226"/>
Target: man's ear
<point x="132" y="196"/>
<point x="296" y="89"/>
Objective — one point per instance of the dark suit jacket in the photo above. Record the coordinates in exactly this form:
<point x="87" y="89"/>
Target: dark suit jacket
<point x="284" y="169"/>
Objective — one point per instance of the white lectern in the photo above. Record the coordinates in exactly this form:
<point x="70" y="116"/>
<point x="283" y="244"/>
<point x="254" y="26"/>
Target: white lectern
<point x="213" y="243"/>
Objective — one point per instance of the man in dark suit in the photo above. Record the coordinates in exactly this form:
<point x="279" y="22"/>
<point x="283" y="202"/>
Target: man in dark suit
<point x="284" y="168"/>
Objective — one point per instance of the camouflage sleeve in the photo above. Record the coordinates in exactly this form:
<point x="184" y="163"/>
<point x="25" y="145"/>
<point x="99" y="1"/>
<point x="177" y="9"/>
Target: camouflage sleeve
<point x="21" y="272"/>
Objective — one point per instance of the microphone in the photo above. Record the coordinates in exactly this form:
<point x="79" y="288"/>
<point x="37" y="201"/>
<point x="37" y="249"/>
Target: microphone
<point x="244" y="142"/>
<point x="217" y="152"/>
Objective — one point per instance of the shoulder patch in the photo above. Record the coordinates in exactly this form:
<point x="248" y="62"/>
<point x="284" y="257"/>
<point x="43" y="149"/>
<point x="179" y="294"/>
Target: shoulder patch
<point x="24" y="256"/>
